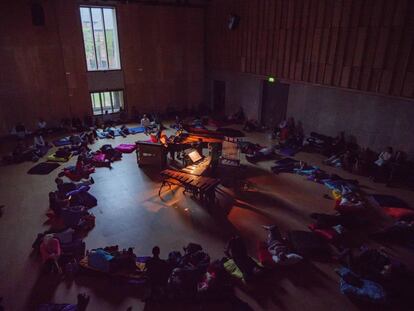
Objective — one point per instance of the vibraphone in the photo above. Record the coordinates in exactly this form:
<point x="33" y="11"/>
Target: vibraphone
<point x="201" y="187"/>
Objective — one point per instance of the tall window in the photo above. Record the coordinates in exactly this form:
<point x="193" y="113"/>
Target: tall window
<point x="111" y="101"/>
<point x="100" y="37"/>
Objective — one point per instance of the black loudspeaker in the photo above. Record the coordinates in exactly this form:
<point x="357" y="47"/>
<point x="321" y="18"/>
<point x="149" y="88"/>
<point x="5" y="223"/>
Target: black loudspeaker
<point x="38" y="15"/>
<point x="233" y="21"/>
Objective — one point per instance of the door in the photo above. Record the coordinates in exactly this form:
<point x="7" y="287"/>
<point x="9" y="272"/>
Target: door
<point x="219" y="97"/>
<point x="274" y="103"/>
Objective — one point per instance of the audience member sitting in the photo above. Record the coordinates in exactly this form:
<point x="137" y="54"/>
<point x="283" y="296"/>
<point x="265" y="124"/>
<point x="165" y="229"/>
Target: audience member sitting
<point x="145" y="121"/>
<point x="39" y="145"/>
<point x="65" y="124"/>
<point x="124" y="260"/>
<point x="237" y="251"/>
<point x="77" y="124"/>
<point x="278" y="248"/>
<point x="263" y="154"/>
<point x="41" y="126"/>
<point x="251" y="125"/>
<point x="157" y="271"/>
<point x="238" y="116"/>
<point x="50" y="251"/>
<point x="20" y="131"/>
<point x="88" y="121"/>
<point x="337" y="147"/>
<point x="379" y="166"/>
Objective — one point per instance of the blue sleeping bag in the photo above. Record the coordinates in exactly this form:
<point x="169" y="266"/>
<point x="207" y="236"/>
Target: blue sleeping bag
<point x="354" y="287"/>
<point x="100" y="259"/>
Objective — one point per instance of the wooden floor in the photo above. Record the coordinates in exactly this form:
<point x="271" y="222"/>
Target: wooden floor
<point x="130" y="213"/>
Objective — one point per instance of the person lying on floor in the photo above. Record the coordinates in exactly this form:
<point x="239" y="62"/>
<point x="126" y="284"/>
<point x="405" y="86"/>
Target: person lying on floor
<point x="124" y="131"/>
<point x="278" y="248"/>
<point x="57" y="201"/>
<point x="236" y="250"/>
<point x="20" y="154"/>
<point x="263" y="154"/>
<point x="349" y="202"/>
<point x="82" y="304"/>
<point x="109" y="132"/>
<point x="50" y="252"/>
<point x="372" y="264"/>
<point x="67" y="187"/>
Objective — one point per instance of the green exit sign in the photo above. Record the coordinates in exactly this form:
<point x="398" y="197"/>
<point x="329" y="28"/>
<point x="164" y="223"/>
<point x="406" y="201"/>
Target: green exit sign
<point x="271" y="79"/>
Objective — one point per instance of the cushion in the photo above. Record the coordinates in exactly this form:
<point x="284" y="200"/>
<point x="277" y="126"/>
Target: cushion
<point x="126" y="148"/>
<point x="231" y="267"/>
<point x="399" y="213"/>
<point x="308" y="244"/>
<point x="54" y="158"/>
<point x="99" y="157"/>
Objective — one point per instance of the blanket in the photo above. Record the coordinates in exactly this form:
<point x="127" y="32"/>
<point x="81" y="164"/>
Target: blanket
<point x="43" y="168"/>
<point x="62" y="142"/>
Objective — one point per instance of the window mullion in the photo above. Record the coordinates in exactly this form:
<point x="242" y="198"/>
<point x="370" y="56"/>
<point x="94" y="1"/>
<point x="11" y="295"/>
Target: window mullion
<point x="106" y="41"/>
<point x="111" y="94"/>
<point x="100" y="102"/>
<point x="93" y="36"/>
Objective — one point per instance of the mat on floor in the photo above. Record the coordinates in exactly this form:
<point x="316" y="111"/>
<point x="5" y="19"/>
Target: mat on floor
<point x="136" y="130"/>
<point x="61" y="142"/>
<point x="102" y="134"/>
<point x="43" y="168"/>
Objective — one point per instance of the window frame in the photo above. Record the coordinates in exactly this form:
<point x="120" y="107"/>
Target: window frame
<point x="100" y="93"/>
<point x="90" y="7"/>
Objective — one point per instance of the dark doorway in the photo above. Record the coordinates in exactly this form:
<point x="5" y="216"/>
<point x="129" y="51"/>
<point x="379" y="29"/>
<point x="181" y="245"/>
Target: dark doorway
<point x="219" y="97"/>
<point x="274" y="103"/>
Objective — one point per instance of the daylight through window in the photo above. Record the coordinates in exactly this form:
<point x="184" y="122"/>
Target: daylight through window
<point x="100" y="37"/>
<point x="111" y="101"/>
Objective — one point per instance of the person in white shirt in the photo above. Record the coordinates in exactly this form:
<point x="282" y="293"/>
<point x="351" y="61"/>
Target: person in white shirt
<point x="384" y="157"/>
<point x="379" y="169"/>
<point x="41" y="124"/>
<point x="145" y="121"/>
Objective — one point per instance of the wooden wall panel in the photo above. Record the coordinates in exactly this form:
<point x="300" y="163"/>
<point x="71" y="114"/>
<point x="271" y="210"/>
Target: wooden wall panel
<point x="364" y="45"/>
<point x="44" y="69"/>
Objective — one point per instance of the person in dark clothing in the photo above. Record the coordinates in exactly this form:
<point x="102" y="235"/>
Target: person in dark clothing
<point x="157" y="272"/>
<point x="66" y="187"/>
<point x="236" y="250"/>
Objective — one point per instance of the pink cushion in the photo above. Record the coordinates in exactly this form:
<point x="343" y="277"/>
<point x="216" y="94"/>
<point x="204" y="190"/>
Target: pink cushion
<point x="126" y="148"/>
<point x="99" y="157"/>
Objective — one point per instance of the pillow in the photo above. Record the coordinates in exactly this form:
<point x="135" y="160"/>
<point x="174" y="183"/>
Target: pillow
<point x="399" y="212"/>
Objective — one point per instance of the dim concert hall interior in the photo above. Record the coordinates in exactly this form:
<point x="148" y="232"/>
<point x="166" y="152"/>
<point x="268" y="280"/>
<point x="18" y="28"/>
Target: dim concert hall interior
<point x="206" y="155"/>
